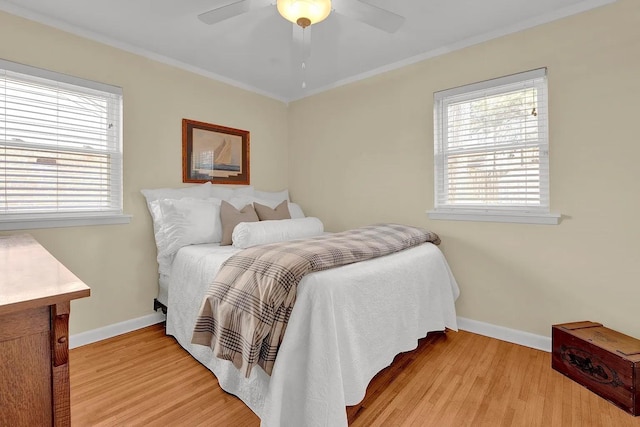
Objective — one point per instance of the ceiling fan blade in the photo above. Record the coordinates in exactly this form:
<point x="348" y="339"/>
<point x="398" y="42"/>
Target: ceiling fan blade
<point x="370" y="15"/>
<point x="236" y="8"/>
<point x="225" y="12"/>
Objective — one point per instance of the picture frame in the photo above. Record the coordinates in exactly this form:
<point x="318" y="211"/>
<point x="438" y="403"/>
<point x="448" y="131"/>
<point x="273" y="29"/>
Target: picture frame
<point x="214" y="153"/>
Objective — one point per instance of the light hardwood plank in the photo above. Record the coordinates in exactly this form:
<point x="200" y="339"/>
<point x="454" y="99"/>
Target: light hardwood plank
<point x="454" y="379"/>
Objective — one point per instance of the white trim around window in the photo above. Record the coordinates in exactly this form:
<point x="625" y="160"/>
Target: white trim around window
<point x="60" y="150"/>
<point x="492" y="216"/>
<point x="30" y="223"/>
<point x="491" y="151"/>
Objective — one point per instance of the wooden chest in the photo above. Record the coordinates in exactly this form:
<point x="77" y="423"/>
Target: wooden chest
<point x="605" y="361"/>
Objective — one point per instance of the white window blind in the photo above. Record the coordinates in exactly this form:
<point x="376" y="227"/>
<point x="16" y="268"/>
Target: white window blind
<point x="60" y="145"/>
<point x="491" y="146"/>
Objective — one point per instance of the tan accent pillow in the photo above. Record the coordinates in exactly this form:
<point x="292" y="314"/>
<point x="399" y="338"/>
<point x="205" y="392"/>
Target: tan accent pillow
<point x="265" y="213"/>
<point x="230" y="217"/>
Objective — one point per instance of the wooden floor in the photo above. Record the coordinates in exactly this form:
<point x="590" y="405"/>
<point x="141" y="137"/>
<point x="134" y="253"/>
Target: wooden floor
<point x="458" y="379"/>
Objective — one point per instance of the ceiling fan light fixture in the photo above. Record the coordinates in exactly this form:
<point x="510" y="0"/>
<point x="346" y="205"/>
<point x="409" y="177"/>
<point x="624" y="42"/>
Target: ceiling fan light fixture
<point x="304" y="12"/>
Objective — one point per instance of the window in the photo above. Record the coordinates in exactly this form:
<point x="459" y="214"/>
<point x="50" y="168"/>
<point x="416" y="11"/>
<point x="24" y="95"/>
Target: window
<point x="60" y="150"/>
<point x="492" y="151"/>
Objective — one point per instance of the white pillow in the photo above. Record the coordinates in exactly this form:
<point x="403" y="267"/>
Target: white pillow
<point x="247" y="234"/>
<point x="243" y="191"/>
<point x="240" y="202"/>
<point x="200" y="191"/>
<point x="295" y="211"/>
<point x="186" y="221"/>
<point x="226" y="193"/>
<point x="276" y="196"/>
<point x="221" y="192"/>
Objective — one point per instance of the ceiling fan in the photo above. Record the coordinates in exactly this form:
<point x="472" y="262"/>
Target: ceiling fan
<point x="307" y="12"/>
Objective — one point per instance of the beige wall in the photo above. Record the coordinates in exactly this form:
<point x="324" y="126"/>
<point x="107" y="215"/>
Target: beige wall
<point x="363" y="153"/>
<point x="118" y="261"/>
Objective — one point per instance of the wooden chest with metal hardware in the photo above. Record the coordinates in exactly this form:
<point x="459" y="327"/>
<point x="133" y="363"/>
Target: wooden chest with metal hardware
<point x="605" y="361"/>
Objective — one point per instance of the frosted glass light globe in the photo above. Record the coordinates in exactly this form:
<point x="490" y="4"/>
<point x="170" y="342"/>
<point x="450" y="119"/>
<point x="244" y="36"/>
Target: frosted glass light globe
<point x="304" y="12"/>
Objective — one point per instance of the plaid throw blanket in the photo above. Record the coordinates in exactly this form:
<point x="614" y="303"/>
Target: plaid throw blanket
<point x="246" y="309"/>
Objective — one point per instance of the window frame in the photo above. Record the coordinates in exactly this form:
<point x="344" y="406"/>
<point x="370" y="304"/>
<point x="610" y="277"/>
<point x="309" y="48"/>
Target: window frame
<point x="493" y="213"/>
<point x="51" y="219"/>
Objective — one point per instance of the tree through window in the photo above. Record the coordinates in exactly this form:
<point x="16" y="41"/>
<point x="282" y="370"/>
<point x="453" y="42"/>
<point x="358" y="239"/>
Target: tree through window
<point x="491" y="147"/>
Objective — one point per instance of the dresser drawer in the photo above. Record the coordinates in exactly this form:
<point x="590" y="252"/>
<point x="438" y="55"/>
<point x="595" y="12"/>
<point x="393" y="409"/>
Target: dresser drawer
<point x="25" y="371"/>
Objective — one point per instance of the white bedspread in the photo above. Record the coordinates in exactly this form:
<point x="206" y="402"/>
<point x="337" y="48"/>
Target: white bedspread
<point x="347" y="324"/>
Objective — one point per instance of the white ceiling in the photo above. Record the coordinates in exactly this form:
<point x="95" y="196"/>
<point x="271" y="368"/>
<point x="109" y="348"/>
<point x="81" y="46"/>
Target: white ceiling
<point x="255" y="50"/>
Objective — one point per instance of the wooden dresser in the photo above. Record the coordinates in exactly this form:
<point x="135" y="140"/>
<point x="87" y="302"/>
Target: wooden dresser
<point x="35" y="295"/>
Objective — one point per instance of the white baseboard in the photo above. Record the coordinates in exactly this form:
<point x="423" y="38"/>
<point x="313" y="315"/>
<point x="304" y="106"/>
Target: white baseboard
<point x="481" y="328"/>
<point x="515" y="336"/>
<point x="109" y="331"/>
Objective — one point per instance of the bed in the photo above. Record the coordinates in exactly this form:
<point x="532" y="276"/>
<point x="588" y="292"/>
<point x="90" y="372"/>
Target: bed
<point x="347" y="324"/>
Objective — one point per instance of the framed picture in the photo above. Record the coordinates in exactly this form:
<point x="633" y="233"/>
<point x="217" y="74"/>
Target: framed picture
<point x="214" y="153"/>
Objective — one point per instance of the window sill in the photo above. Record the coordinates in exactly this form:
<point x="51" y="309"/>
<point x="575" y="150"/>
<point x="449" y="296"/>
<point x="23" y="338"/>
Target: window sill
<point x="513" y="217"/>
<point x="33" y="222"/>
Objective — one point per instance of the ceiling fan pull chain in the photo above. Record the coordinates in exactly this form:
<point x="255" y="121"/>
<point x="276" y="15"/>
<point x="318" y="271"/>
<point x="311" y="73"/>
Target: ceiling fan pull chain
<point x="306" y="48"/>
<point x="304" y="75"/>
